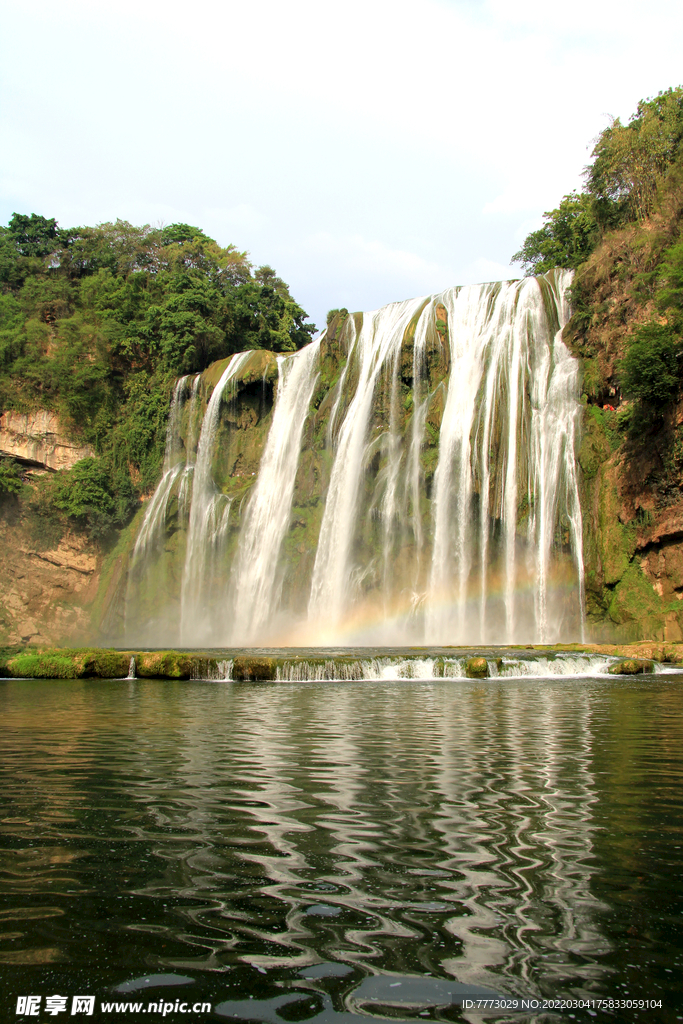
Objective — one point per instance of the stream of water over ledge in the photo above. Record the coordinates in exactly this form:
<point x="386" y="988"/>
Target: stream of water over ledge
<point x="337" y="851"/>
<point x="408" y="477"/>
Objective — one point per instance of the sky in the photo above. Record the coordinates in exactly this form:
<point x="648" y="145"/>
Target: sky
<point x="370" y="151"/>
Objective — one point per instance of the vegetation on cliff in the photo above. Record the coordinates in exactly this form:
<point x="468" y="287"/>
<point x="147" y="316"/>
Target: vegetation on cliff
<point x="97" y="322"/>
<point x="622" y="236"/>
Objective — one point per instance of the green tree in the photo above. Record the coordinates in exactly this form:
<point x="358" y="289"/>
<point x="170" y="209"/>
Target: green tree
<point x="629" y="164"/>
<point x="84" y="494"/>
<point x="566" y="239"/>
<point x="10" y="477"/>
<point x="96" y="322"/>
<point x="651" y="368"/>
<point x="629" y="161"/>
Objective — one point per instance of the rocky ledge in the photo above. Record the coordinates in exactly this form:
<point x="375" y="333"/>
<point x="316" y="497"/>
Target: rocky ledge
<point x="33" y="662"/>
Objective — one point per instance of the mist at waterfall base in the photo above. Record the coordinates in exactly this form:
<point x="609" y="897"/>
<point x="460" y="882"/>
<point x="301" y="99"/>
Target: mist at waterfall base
<point x="416" y="484"/>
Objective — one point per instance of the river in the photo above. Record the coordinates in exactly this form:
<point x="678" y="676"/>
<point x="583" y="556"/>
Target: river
<point x="338" y="851"/>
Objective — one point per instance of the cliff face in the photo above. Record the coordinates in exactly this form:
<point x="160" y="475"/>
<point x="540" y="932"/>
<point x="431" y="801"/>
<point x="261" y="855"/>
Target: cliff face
<point x="47" y="589"/>
<point x="631" y="458"/>
<point x="37" y="439"/>
<point x="49" y="578"/>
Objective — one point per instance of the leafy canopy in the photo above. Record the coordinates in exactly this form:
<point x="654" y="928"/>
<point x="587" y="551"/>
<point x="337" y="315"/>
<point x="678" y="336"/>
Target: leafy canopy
<point x="629" y="164"/>
<point x="97" y="322"/>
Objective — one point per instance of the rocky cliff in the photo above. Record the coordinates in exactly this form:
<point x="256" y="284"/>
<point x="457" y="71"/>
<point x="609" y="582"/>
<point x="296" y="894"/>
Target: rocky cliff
<point x="37" y="439"/>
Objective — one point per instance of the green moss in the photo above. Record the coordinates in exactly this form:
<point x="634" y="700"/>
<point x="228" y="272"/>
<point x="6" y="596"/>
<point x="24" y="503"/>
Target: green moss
<point x="245" y="668"/>
<point x="39" y="666"/>
<point x="631" y="667"/>
<point x="616" y="542"/>
<point x="476" y="668"/>
<point x="165" y="665"/>
<point x="595" y="445"/>
<point x="634" y="600"/>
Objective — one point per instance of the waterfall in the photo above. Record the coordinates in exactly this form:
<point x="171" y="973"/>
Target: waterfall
<point x="379" y="338"/>
<point x="156" y="510"/>
<point x="267" y="516"/>
<point x="412" y="479"/>
<point x="203" y="514"/>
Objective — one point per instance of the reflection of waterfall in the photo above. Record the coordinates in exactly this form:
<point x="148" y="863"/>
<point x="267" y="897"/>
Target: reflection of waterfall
<point x="413" y="481"/>
<point x="438" y="818"/>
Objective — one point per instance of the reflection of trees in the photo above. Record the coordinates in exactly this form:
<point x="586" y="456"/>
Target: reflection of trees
<point x="638" y="758"/>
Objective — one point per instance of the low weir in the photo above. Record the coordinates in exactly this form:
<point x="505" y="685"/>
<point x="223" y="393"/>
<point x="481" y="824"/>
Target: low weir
<point x="407" y="478"/>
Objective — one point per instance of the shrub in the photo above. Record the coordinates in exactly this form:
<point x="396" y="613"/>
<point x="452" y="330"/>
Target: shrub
<point x="10" y="477"/>
<point x="650" y="370"/>
<point x="84" y="494"/>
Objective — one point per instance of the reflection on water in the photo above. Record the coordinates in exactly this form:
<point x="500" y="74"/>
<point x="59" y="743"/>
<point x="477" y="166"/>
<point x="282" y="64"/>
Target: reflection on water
<point x="331" y="851"/>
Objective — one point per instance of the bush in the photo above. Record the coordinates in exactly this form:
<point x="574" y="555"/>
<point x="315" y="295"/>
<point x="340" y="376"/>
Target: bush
<point x="650" y="370"/>
<point x="84" y="494"/>
<point x="10" y="477"/>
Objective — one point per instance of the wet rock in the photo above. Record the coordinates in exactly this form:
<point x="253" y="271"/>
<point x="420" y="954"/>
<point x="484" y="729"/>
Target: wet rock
<point x="254" y="668"/>
<point x="476" y="668"/>
<point x="631" y="667"/>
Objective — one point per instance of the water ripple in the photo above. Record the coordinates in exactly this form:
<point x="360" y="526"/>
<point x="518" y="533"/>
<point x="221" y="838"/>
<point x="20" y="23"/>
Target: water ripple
<point x="499" y="834"/>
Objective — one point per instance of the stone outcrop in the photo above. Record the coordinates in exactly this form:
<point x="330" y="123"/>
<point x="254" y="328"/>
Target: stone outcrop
<point x="37" y="439"/>
<point x="47" y="593"/>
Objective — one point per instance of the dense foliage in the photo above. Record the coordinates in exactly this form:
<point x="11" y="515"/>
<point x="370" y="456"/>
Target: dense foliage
<point x="10" y="477"/>
<point x="622" y="181"/>
<point x="629" y="215"/>
<point x="96" y="322"/>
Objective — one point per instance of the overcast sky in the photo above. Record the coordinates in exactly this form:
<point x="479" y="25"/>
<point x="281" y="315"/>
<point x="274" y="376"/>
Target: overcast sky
<point x="370" y="151"/>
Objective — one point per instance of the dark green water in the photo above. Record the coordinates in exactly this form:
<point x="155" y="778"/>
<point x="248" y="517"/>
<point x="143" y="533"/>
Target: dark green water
<point x="339" y="851"/>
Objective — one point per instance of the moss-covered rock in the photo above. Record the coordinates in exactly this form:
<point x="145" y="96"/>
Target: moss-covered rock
<point x="631" y="667"/>
<point x="247" y="668"/>
<point x="617" y="542"/>
<point x="476" y="668"/>
<point x="635" y="602"/>
<point x="166" y="665"/>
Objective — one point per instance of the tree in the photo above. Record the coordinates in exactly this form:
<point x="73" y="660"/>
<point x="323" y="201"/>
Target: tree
<point x="650" y="370"/>
<point x="629" y="161"/>
<point x="628" y="167"/>
<point x="10" y="477"/>
<point x="566" y="239"/>
<point x="34" y="235"/>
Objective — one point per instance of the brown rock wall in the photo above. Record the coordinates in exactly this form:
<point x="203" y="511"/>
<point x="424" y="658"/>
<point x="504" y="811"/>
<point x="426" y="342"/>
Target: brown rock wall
<point x="38" y="438"/>
<point x="45" y="595"/>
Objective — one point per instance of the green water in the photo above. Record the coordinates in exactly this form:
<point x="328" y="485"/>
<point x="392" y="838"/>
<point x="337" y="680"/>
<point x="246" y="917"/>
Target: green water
<point x="339" y="851"/>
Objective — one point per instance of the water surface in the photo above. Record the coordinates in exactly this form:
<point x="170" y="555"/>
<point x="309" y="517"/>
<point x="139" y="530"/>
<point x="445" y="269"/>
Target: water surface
<point x="334" y="851"/>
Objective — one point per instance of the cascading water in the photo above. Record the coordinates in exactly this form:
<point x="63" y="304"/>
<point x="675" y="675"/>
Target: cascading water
<point x="205" y="514"/>
<point x="174" y="464"/>
<point x="413" y="481"/>
<point x="267" y="518"/>
<point x="377" y="342"/>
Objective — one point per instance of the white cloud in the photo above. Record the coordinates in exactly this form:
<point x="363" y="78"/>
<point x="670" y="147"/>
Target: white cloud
<point x="483" y="269"/>
<point x="373" y="150"/>
<point x="373" y="257"/>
